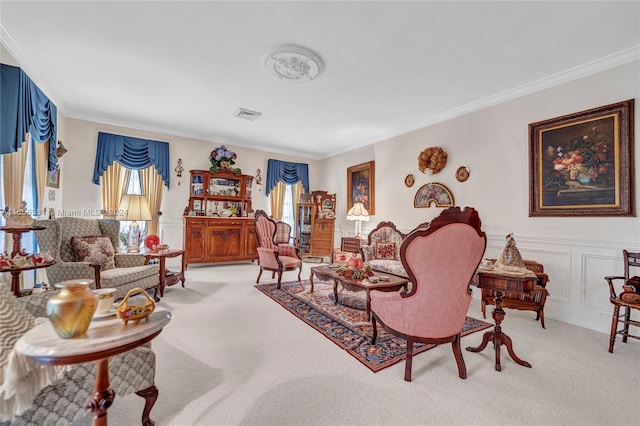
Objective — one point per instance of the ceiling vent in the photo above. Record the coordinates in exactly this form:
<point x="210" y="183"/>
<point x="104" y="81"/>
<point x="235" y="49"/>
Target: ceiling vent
<point x="247" y="114"/>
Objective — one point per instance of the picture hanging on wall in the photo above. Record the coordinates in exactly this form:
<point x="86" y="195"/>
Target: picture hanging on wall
<point x="53" y="178"/>
<point x="361" y="181"/>
<point x="581" y="164"/>
<point x="433" y="194"/>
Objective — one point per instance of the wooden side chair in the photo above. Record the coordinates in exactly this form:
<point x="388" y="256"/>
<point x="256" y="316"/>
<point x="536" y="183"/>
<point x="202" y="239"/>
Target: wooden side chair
<point x="273" y="257"/>
<point x="626" y="300"/>
<point x="440" y="261"/>
<point x="532" y="301"/>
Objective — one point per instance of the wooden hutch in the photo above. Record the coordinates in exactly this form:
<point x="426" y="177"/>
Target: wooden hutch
<point x="217" y="223"/>
<point x="315" y="220"/>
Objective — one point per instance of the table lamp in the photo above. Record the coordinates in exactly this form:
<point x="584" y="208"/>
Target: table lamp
<point x="359" y="214"/>
<point x="134" y="207"/>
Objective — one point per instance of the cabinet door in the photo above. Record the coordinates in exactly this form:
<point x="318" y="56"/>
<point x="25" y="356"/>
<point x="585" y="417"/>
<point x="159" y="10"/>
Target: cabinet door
<point x="251" y="242"/>
<point x="322" y="237"/>
<point x="304" y="227"/>
<point x="224" y="241"/>
<point x="195" y="241"/>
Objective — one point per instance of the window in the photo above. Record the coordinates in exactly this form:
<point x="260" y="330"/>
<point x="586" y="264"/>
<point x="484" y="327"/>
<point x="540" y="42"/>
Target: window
<point x="288" y="208"/>
<point x="28" y="195"/>
<point x="134" y="186"/>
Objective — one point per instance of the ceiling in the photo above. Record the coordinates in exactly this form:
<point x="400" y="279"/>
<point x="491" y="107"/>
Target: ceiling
<point x="184" y="68"/>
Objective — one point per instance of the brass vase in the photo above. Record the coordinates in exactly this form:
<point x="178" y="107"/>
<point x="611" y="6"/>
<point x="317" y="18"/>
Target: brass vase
<point x="71" y="310"/>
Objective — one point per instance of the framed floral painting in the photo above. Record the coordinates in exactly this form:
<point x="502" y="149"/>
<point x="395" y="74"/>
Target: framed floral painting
<point x="361" y="181"/>
<point x="581" y="164"/>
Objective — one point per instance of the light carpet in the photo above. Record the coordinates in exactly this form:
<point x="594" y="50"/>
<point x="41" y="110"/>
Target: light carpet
<point x="231" y="356"/>
<point x="346" y="324"/>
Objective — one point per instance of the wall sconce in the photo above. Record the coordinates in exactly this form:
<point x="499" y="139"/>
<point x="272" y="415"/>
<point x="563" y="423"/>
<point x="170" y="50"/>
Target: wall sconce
<point x="61" y="150"/>
<point x="179" y="169"/>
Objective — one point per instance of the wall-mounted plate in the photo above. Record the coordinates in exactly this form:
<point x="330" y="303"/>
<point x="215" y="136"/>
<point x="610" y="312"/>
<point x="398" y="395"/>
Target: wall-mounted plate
<point x="462" y="174"/>
<point x="409" y="180"/>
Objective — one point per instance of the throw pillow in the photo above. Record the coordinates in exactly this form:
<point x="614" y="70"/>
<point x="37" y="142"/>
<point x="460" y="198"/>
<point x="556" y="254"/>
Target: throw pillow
<point x="95" y="250"/>
<point x="385" y="251"/>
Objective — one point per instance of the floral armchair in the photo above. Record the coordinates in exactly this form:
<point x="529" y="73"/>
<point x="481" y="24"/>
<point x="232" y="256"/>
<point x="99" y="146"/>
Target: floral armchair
<point x="122" y="271"/>
<point x="273" y="257"/>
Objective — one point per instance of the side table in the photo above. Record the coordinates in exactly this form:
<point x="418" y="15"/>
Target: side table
<point x="500" y="283"/>
<point x="167" y="278"/>
<point x="102" y="340"/>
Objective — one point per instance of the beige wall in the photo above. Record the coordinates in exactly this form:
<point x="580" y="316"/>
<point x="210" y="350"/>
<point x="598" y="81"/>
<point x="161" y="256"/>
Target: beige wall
<point x="577" y="251"/>
<point x="80" y="138"/>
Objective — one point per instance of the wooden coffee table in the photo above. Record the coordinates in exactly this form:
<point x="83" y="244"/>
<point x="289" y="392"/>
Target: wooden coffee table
<point x="326" y="273"/>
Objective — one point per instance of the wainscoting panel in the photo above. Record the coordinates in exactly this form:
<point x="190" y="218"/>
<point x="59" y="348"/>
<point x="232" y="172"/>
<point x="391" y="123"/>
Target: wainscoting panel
<point x="595" y="290"/>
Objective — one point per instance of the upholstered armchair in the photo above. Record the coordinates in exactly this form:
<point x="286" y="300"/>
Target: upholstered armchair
<point x="109" y="268"/>
<point x="440" y="260"/>
<point x="273" y="257"/>
<point x="63" y="401"/>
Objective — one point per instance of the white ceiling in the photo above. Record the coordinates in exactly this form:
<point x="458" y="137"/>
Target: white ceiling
<point x="183" y="68"/>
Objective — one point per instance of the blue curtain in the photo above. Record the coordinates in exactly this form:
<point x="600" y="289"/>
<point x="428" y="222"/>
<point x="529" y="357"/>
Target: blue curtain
<point x="132" y="153"/>
<point x="287" y="172"/>
<point x="25" y="109"/>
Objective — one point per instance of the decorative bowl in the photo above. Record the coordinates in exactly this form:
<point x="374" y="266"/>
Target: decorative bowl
<point x="135" y="309"/>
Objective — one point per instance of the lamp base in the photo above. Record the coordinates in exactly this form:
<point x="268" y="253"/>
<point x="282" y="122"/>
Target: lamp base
<point x="133" y="238"/>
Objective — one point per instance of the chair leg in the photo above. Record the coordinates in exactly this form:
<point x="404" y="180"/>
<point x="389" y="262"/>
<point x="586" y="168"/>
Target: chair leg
<point x="279" y="279"/>
<point x="541" y="316"/>
<point x="299" y="272"/>
<point x="614" y="327"/>
<point x="409" y="361"/>
<point x="457" y="353"/>
<point x="627" y="319"/>
<point x="259" y="275"/>
<point x="150" y="396"/>
<point x="375" y="329"/>
<point x="484" y="308"/>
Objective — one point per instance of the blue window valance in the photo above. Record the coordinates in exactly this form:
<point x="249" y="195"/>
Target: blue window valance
<point x="132" y="153"/>
<point x="25" y="109"/>
<point x="287" y="172"/>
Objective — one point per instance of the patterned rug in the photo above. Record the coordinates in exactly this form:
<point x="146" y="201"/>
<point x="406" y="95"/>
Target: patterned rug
<point x="346" y="324"/>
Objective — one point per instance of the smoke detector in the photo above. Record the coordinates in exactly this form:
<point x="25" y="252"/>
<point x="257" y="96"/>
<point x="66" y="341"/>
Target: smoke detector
<point x="293" y="63"/>
<point x="247" y="114"/>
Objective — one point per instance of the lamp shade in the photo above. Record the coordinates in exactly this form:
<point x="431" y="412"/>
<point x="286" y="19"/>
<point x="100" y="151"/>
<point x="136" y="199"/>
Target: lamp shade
<point x="134" y="207"/>
<point x="358" y="212"/>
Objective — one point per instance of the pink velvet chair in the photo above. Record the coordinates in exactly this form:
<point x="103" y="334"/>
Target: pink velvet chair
<point x="273" y="257"/>
<point x="440" y="260"/>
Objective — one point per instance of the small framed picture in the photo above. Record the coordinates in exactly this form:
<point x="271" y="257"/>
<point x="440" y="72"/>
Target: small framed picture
<point x="53" y="178"/>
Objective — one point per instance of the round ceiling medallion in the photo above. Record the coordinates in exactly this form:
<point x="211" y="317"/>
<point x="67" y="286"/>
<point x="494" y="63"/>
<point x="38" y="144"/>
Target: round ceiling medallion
<point x="293" y="63"/>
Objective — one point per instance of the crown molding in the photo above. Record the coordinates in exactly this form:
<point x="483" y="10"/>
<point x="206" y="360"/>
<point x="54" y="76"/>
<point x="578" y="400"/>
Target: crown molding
<point x="611" y="61"/>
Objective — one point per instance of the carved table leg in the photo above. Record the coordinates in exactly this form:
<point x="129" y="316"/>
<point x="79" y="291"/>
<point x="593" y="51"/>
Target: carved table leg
<point x="335" y="292"/>
<point x="498" y="337"/>
<point x="311" y="281"/>
<point x="102" y="397"/>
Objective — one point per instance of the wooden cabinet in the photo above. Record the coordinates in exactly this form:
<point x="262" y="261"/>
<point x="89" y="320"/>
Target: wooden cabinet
<point x="217" y="226"/>
<point x="315" y="220"/>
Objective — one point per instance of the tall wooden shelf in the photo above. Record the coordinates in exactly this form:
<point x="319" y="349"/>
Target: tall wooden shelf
<point x="315" y="221"/>
<point x="217" y="223"/>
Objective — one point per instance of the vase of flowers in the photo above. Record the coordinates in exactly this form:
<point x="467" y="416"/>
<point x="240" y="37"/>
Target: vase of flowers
<point x="223" y="160"/>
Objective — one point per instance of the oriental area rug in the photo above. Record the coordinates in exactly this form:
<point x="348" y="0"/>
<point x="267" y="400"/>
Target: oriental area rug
<point x="346" y="324"/>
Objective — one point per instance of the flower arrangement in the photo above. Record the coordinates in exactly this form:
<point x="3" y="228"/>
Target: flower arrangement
<point x="584" y="159"/>
<point x="222" y="158"/>
<point x="355" y="273"/>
